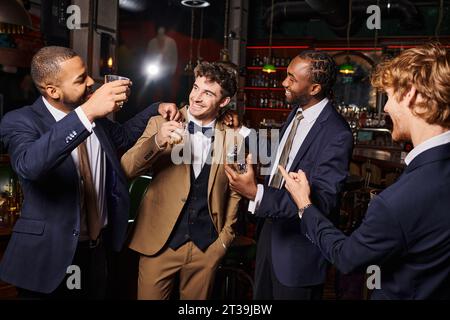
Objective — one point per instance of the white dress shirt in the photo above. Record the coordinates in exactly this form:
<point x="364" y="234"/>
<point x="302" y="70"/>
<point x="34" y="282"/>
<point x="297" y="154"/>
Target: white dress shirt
<point x="97" y="161"/>
<point x="310" y="116"/>
<point x="438" y="140"/>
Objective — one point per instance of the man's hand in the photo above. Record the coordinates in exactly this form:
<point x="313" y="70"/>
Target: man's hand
<point x="108" y="98"/>
<point x="231" y="119"/>
<point x="245" y="183"/>
<point x="169" y="111"/>
<point x="167" y="134"/>
<point x="298" y="186"/>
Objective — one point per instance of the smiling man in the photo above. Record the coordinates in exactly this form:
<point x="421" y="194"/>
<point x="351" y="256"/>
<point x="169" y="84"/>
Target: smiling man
<point x="64" y="151"/>
<point x="187" y="217"/>
<point x="406" y="230"/>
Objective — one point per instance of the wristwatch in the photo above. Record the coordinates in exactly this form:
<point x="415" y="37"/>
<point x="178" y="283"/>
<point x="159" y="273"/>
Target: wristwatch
<point x="301" y="210"/>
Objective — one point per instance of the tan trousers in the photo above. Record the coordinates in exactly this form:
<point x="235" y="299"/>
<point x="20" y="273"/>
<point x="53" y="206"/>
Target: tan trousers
<point x="197" y="271"/>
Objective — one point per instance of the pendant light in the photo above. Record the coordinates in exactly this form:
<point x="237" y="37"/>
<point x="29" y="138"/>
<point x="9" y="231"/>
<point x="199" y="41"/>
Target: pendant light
<point x="224" y="53"/>
<point x="189" y="68"/>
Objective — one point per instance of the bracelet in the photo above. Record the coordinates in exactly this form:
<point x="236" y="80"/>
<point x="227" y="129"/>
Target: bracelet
<point x="302" y="210"/>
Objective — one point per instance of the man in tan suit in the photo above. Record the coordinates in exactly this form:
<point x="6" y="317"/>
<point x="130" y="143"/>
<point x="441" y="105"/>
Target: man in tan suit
<point x="186" y="219"/>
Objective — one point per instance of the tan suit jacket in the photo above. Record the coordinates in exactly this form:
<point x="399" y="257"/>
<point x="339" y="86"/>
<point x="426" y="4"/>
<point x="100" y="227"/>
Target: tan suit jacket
<point x="169" y="189"/>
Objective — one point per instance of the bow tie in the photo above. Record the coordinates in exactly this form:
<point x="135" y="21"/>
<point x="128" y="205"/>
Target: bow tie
<point x="193" y="128"/>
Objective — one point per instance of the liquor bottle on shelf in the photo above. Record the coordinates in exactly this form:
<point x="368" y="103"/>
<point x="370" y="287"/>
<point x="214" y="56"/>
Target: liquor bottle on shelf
<point x="263" y="101"/>
<point x="277" y="62"/>
<point x="258" y="61"/>
<point x="270" y="104"/>
<point x="274" y="81"/>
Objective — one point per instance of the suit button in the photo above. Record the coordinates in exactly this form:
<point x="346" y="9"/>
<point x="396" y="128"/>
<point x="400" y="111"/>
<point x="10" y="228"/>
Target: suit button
<point x="75" y="232"/>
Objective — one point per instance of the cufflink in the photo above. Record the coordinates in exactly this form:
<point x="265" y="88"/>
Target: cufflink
<point x="302" y="210"/>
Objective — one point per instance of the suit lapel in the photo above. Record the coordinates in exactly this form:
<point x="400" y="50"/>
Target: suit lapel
<point x="43" y="113"/>
<point x="217" y="153"/>
<point x="186" y="148"/>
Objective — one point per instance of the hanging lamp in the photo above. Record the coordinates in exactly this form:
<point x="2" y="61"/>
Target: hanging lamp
<point x="189" y="68"/>
<point x="224" y="53"/>
<point x="346" y="68"/>
<point x="269" y="67"/>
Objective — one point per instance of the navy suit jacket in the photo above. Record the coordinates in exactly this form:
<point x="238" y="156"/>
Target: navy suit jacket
<point x="324" y="156"/>
<point x="45" y="236"/>
<point x="406" y="232"/>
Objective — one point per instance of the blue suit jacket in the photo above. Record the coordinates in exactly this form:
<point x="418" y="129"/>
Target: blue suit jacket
<point x="45" y="236"/>
<point x="406" y="232"/>
<point x="324" y="156"/>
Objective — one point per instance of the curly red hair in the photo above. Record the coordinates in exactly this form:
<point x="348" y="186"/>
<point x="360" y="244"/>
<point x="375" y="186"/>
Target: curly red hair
<point x="427" y="68"/>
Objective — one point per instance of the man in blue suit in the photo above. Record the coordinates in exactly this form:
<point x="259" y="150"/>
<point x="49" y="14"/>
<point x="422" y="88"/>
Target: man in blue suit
<point x="317" y="139"/>
<point x="406" y="230"/>
<point x="65" y="153"/>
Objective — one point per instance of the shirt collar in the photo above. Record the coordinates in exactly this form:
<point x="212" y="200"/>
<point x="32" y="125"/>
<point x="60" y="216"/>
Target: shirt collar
<point x="198" y="122"/>
<point x="312" y="113"/>
<point x="435" y="141"/>
<point x="56" y="113"/>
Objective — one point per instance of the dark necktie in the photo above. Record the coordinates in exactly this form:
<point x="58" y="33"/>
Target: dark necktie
<point x="89" y="197"/>
<point x="277" y="178"/>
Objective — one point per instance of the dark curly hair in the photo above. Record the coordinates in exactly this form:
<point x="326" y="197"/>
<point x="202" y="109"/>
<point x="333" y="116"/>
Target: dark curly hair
<point x="322" y="70"/>
<point x="219" y="72"/>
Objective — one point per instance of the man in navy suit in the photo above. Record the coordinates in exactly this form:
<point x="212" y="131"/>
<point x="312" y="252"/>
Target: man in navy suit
<point x="44" y="142"/>
<point x="406" y="230"/>
<point x="317" y="139"/>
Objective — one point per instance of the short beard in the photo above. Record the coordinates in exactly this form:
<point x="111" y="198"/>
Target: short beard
<point x="75" y="104"/>
<point x="299" y="100"/>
